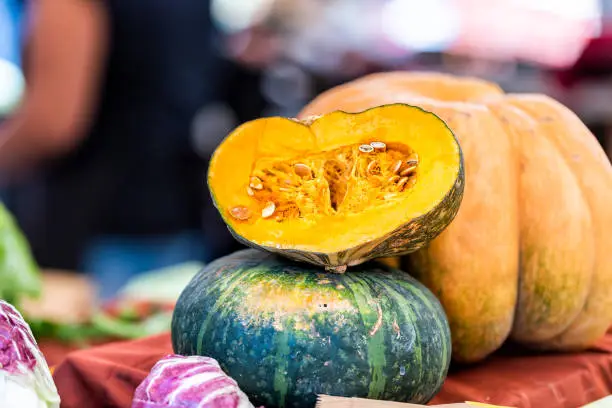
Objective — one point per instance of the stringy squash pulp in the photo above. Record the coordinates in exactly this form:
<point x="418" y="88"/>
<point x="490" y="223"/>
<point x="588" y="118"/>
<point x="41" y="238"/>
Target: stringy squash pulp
<point x="339" y="189"/>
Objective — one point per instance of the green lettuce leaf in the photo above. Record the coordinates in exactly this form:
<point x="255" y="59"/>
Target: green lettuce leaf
<point x="19" y="273"/>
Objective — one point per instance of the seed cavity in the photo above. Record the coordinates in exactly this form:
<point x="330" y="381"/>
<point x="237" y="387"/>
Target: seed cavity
<point x="346" y="179"/>
<point x="268" y="210"/>
<point x="336" y="175"/>
<point x="240" y="212"/>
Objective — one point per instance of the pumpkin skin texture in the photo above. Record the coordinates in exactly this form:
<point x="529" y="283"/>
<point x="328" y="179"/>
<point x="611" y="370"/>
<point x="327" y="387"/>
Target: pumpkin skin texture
<point x="286" y="331"/>
<point x="532" y="234"/>
<point x="592" y="169"/>
<point x="481" y="304"/>
<point x="557" y="254"/>
<point x="331" y="204"/>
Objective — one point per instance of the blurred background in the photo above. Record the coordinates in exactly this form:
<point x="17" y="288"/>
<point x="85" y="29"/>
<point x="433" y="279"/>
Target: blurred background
<point x="110" y="110"/>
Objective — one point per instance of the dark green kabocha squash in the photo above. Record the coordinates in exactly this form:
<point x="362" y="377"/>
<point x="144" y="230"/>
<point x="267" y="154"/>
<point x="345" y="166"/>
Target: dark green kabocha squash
<point x="287" y="331"/>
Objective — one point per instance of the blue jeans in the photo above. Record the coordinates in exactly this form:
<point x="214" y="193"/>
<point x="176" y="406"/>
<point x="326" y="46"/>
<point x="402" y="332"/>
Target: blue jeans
<point x="112" y="260"/>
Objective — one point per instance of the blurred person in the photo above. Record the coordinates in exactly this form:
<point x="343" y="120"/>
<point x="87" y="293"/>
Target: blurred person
<point x="107" y="177"/>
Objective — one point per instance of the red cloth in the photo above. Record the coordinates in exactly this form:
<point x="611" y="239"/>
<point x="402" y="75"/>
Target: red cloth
<point x="107" y="376"/>
<point x="534" y="381"/>
<point x="54" y="351"/>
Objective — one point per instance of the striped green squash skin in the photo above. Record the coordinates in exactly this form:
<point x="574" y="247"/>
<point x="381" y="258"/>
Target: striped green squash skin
<point x="287" y="331"/>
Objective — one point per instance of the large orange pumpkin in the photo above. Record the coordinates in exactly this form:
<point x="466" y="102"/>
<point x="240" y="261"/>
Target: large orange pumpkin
<point x="529" y="253"/>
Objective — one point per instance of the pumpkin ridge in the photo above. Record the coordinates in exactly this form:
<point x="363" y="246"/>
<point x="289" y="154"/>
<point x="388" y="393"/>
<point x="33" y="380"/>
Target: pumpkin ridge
<point x="556" y="253"/>
<point x="591" y="323"/>
<point x="408" y="316"/>
<point x="281" y="343"/>
<point x="375" y="347"/>
<point x="440" y="323"/>
<point x="227" y="292"/>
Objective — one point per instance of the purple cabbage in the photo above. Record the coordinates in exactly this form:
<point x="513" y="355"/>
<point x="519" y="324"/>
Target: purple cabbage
<point x="189" y="382"/>
<point x="25" y="379"/>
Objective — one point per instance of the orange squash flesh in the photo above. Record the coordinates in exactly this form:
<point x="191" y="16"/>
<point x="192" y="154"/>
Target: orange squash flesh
<point x="308" y="191"/>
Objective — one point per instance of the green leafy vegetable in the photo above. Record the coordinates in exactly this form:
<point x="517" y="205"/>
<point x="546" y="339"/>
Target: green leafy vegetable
<point x="101" y="326"/>
<point x="19" y="274"/>
<point x="161" y="285"/>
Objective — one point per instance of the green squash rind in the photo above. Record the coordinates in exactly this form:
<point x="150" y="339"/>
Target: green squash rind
<point x="380" y="335"/>
<point x="407" y="238"/>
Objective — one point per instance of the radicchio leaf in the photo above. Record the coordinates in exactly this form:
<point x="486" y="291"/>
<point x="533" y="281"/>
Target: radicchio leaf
<point x="189" y="382"/>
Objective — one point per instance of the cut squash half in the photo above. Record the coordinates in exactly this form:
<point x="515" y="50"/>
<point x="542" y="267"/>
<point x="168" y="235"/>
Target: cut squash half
<point x="339" y="189"/>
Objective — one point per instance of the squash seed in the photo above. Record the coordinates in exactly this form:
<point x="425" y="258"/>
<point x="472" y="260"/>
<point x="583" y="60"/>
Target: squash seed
<point x="366" y="148"/>
<point x="256" y="183"/>
<point x="250" y="191"/>
<point x="379" y="146"/>
<point x="412" y="162"/>
<point x="393" y="179"/>
<point x="373" y="168"/>
<point x="395" y="168"/>
<point x="411" y="182"/>
<point x="402" y="183"/>
<point x="240" y="213"/>
<point x="268" y="210"/>
<point x="302" y="170"/>
<point x="408" y="170"/>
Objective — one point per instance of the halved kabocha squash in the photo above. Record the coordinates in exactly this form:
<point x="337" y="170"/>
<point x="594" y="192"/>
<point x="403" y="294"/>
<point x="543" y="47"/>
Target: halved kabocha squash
<point x="339" y="189"/>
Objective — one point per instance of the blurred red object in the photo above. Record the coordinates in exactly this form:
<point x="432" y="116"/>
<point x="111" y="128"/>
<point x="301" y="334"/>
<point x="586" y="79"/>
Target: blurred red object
<point x="546" y="34"/>
<point x="595" y="61"/>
